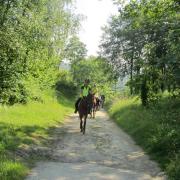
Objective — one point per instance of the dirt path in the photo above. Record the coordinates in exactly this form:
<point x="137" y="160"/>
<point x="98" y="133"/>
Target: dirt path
<point x="104" y="152"/>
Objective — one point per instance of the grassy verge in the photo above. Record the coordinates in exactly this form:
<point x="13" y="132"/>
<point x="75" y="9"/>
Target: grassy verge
<point x="25" y="125"/>
<point x="156" y="129"/>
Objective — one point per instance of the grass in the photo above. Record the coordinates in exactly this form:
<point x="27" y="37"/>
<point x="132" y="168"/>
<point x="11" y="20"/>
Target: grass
<point x="156" y="129"/>
<point x="26" y="125"/>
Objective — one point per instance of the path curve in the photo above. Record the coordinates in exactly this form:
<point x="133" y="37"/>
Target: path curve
<point x="105" y="152"/>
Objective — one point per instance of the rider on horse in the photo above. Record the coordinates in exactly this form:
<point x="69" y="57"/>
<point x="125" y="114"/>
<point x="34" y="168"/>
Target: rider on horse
<point x="85" y="90"/>
<point x="94" y="92"/>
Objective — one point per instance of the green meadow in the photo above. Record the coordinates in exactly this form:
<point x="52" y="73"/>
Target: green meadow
<point x="25" y="125"/>
<point x="154" y="128"/>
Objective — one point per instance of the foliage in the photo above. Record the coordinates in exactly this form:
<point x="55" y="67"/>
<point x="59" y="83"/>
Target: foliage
<point x="33" y="36"/>
<point x="65" y="84"/>
<point x="12" y="170"/>
<point x="75" y="50"/>
<point x="155" y="129"/>
<point x="142" y="41"/>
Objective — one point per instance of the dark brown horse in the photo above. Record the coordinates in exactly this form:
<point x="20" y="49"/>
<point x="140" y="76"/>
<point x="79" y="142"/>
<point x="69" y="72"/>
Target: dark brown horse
<point x="84" y="109"/>
<point x="98" y="103"/>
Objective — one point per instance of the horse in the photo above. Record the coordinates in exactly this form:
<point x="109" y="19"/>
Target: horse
<point x="102" y="100"/>
<point x="98" y="103"/>
<point x="93" y="105"/>
<point x="83" y="110"/>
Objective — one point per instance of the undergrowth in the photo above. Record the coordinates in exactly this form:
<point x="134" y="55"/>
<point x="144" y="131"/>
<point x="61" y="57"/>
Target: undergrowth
<point x="155" y="128"/>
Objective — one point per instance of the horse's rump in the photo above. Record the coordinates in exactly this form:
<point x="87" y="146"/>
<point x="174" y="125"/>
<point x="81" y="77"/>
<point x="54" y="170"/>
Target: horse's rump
<point x="83" y="107"/>
<point x="83" y="113"/>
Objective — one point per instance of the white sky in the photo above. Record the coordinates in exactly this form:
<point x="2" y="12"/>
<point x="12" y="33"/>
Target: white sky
<point x="97" y="13"/>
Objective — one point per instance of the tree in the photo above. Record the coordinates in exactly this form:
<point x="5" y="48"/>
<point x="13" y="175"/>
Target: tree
<point x="33" y="36"/>
<point x="138" y="42"/>
<point x="75" y="50"/>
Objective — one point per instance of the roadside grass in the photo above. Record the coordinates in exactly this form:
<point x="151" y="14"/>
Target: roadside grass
<point x="156" y="129"/>
<point x="25" y="125"/>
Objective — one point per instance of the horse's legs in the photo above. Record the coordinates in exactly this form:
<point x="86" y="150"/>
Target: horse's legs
<point x="91" y="113"/>
<point x="81" y="124"/>
<point x="94" y="111"/>
<point x="84" y="125"/>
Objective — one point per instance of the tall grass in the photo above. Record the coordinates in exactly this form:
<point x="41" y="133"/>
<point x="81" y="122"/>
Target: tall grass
<point x="26" y="125"/>
<point x="156" y="129"/>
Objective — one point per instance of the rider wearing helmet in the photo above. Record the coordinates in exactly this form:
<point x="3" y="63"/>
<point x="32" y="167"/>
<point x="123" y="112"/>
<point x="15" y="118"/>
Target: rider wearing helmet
<point x="85" y="90"/>
<point x="94" y="90"/>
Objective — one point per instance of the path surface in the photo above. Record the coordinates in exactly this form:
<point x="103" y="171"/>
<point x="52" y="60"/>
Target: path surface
<point x="105" y="152"/>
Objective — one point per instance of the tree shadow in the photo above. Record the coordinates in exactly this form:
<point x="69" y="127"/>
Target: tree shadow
<point x="11" y="138"/>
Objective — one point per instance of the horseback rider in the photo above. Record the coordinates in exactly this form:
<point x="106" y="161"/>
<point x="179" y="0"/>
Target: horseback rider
<point x="85" y="90"/>
<point x="94" y="90"/>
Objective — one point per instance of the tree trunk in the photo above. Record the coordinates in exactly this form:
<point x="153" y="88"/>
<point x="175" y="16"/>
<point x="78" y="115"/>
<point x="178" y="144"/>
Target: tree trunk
<point x="131" y="69"/>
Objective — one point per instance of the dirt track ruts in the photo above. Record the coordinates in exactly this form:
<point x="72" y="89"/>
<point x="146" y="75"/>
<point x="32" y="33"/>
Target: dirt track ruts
<point x="104" y="152"/>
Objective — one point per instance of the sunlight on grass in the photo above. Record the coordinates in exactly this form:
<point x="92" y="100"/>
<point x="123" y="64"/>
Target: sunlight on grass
<point x="24" y="125"/>
<point x="41" y="114"/>
<point x="154" y="128"/>
<point x="10" y="170"/>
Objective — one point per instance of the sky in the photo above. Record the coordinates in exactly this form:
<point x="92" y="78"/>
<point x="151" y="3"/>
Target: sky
<point x="97" y="13"/>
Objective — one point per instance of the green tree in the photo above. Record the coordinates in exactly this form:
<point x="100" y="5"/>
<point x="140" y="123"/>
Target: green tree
<point x="75" y="50"/>
<point x="33" y="36"/>
<point x="141" y="42"/>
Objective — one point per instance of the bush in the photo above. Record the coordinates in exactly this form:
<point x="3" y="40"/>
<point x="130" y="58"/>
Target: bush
<point x="65" y="84"/>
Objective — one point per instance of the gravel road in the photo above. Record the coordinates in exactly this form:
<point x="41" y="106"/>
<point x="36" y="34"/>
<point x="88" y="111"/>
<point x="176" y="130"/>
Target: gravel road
<point x="105" y="152"/>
